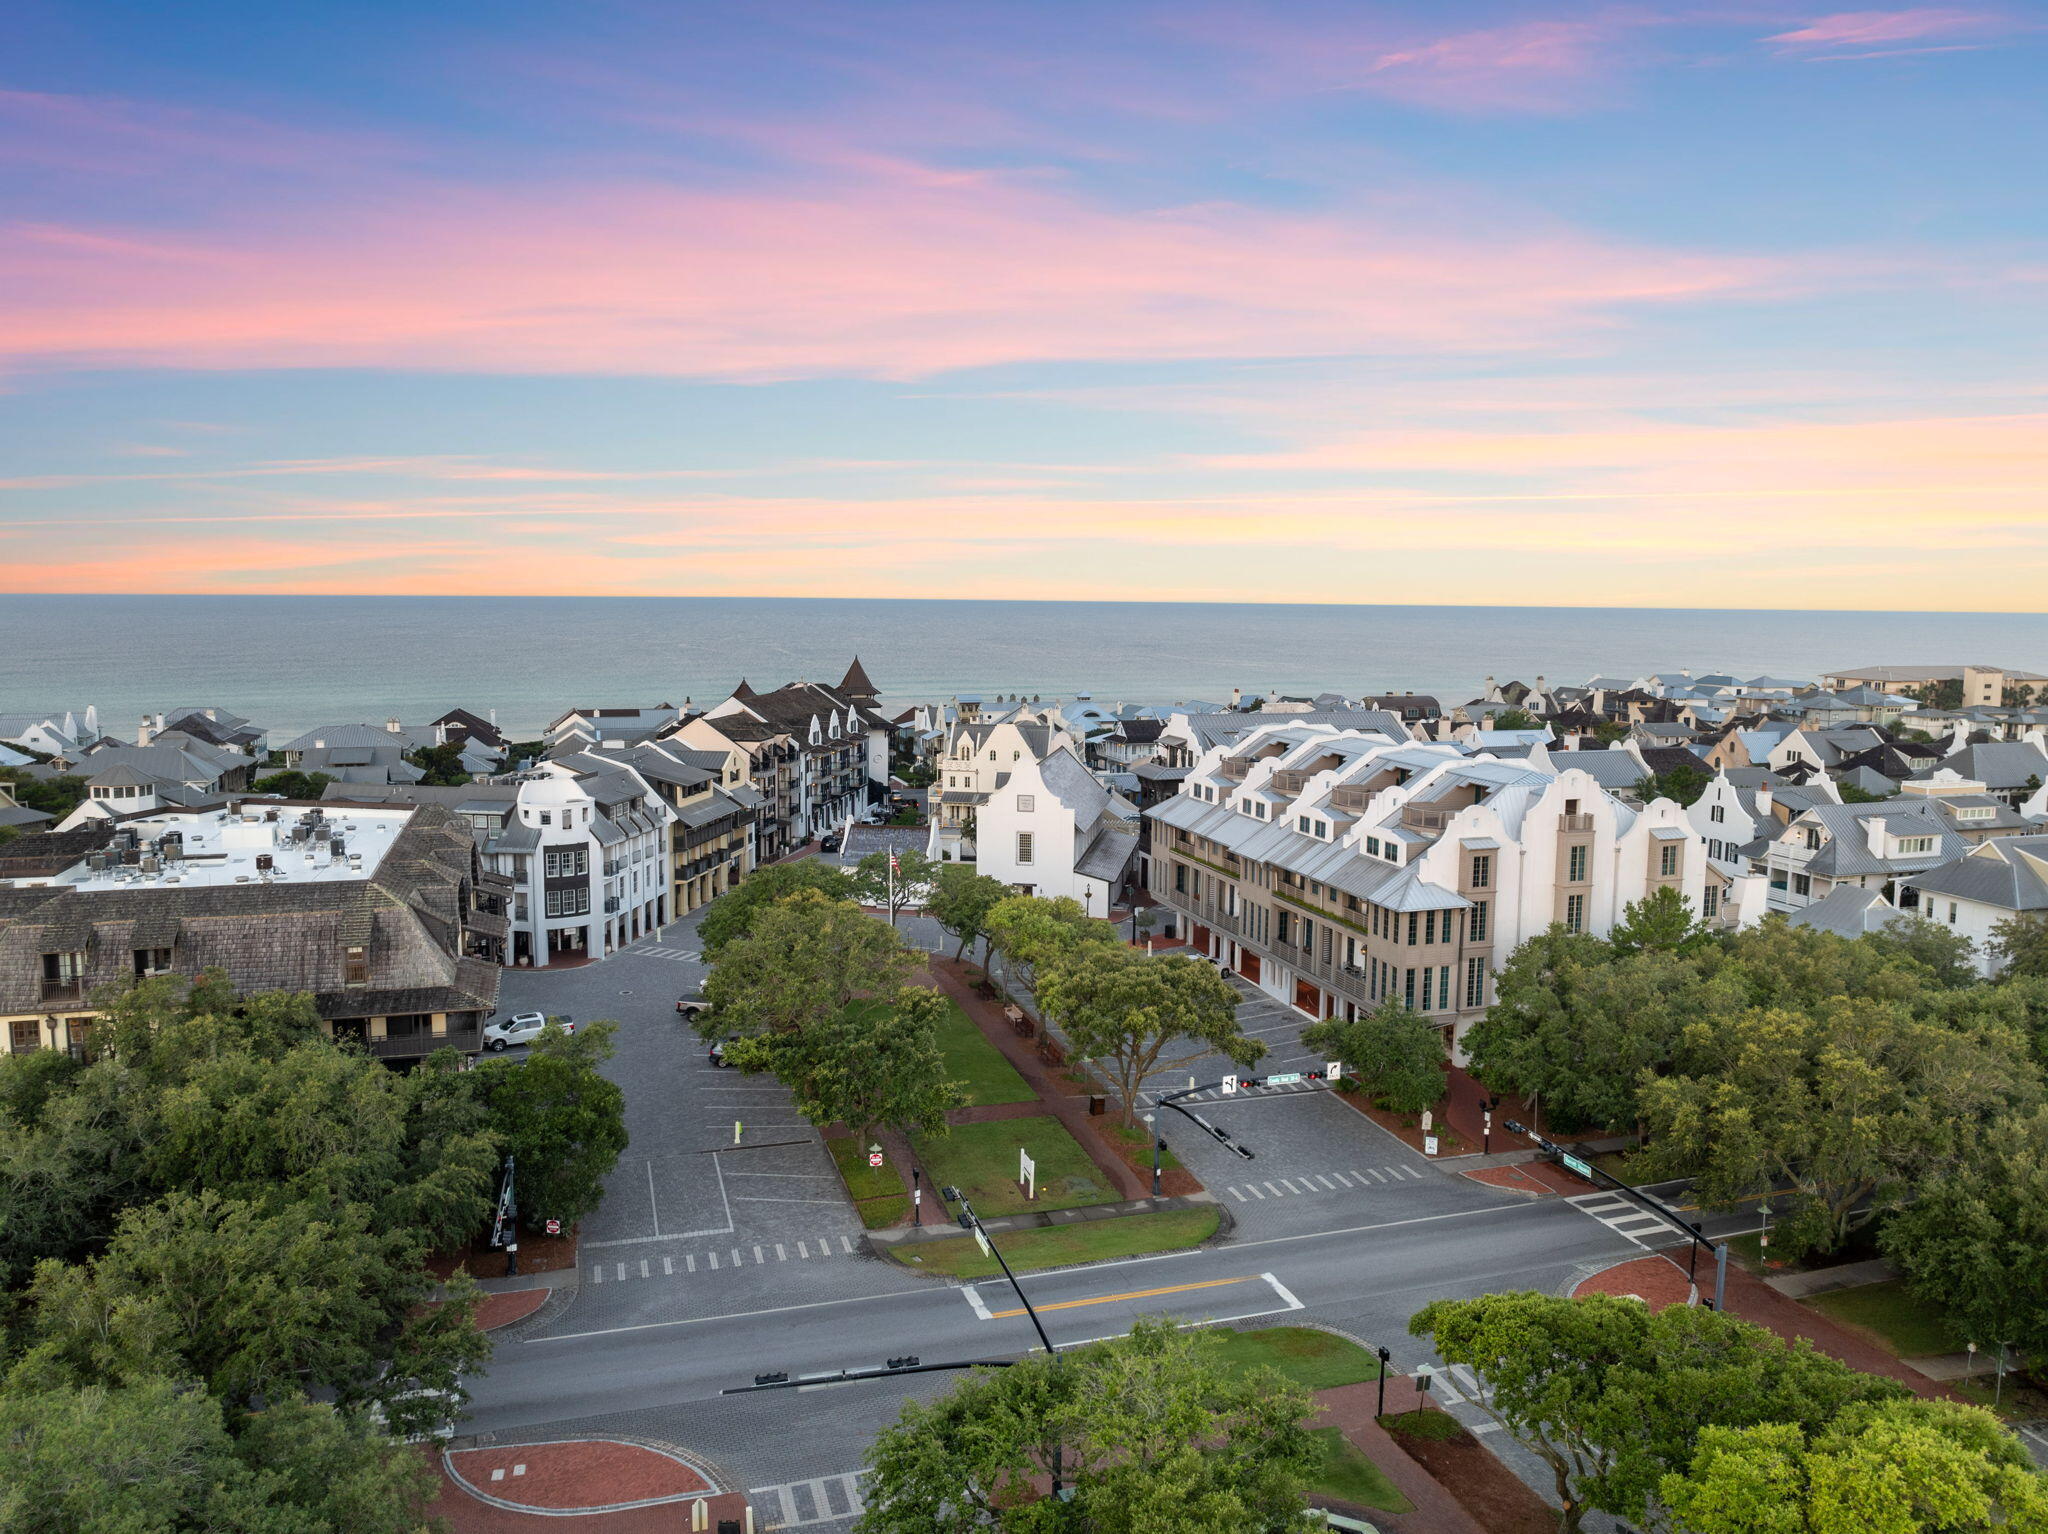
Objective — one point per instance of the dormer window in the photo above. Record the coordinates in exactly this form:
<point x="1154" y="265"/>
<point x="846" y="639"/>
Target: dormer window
<point x="355" y="965"/>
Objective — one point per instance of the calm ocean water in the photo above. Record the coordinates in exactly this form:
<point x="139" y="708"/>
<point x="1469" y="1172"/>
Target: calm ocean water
<point x="294" y="662"/>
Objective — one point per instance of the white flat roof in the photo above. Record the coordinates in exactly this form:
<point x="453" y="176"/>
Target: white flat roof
<point x="222" y="849"/>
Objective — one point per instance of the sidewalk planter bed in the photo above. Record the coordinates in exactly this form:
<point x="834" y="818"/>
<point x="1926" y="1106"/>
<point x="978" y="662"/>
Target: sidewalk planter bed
<point x="1062" y="1246"/>
<point x="876" y="1191"/>
<point x="1494" y="1495"/>
<point x="1133" y="1147"/>
<point x="971" y="1058"/>
<point x="981" y="1160"/>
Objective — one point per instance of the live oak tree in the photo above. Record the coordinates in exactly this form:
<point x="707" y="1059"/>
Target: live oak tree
<point x="1612" y="1397"/>
<point x="560" y="1118"/>
<point x="1127" y="1009"/>
<point x="1975" y="1240"/>
<point x="1903" y="1467"/>
<point x="1848" y="1106"/>
<point x="1153" y="1433"/>
<point x="874" y="1064"/>
<point x="1661" y="922"/>
<point x="961" y="900"/>
<point x="874" y="884"/>
<point x="732" y="913"/>
<point x="1577" y="1025"/>
<point x="803" y="960"/>
<point x="1396" y="1056"/>
<point x="159" y="1455"/>
<point x="2020" y="943"/>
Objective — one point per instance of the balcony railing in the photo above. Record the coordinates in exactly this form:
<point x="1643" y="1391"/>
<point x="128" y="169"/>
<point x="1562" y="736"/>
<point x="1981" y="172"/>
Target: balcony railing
<point x="1575" y="822"/>
<point x="1235" y="767"/>
<point x="412" y="1046"/>
<point x="1416" y="818"/>
<point x="1292" y="781"/>
<point x="63" y="991"/>
<point x="1352" y="796"/>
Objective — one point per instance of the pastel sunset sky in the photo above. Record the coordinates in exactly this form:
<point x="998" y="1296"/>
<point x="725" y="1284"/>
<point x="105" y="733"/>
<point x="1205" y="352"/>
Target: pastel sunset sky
<point x="1702" y="305"/>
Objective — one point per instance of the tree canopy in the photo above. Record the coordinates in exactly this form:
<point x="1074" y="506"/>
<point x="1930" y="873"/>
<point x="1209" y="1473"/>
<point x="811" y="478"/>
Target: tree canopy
<point x="293" y="784"/>
<point x="560" y="1118"/>
<point x="1395" y="1055"/>
<point x="1154" y="1433"/>
<point x="961" y="900"/>
<point x="1612" y="1396"/>
<point x="801" y="962"/>
<point x="1125" y="1009"/>
<point x="733" y="912"/>
<point x="909" y="885"/>
<point x="872" y="1064"/>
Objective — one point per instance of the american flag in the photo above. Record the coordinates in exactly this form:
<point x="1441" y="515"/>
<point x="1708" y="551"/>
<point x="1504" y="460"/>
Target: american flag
<point x="894" y="866"/>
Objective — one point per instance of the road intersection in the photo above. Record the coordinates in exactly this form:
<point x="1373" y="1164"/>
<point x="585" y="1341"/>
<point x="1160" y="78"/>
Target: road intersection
<point x="707" y="1265"/>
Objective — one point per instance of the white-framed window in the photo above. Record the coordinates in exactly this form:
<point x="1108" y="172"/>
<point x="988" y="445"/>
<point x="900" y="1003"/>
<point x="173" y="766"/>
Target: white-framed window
<point x="1910" y="845"/>
<point x="1717" y="813"/>
<point x="1026" y="803"/>
<point x="1024" y="846"/>
<point x="1575" y="913"/>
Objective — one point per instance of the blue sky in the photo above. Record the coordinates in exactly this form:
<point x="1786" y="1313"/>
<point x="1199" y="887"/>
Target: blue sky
<point x="1576" y="305"/>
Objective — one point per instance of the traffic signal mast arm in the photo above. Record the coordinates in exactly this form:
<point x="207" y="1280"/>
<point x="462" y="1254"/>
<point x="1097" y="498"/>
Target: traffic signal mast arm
<point x="909" y="1365"/>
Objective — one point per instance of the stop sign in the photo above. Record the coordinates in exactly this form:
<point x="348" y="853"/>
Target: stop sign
<point x="554" y="1227"/>
<point x="874" y="1158"/>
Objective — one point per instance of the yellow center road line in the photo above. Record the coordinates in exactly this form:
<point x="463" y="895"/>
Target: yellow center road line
<point x="1135" y="1294"/>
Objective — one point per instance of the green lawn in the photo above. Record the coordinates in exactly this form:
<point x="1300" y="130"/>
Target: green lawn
<point x="1136" y="1137"/>
<point x="1346" y="1475"/>
<point x="877" y="1191"/>
<point x="981" y="1161"/>
<point x="1130" y="1235"/>
<point x="971" y="1058"/>
<point x="1305" y="1355"/>
<point x="1909" y="1327"/>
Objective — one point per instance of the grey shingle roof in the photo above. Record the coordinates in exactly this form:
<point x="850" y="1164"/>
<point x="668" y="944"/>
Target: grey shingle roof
<point x="2010" y="873"/>
<point x="1848" y="911"/>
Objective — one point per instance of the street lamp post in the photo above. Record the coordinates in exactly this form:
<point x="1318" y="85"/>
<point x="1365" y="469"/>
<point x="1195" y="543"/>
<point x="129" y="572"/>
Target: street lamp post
<point x="1486" y="1131"/>
<point x="1386" y="1357"/>
<point x="1158" y="1145"/>
<point x="916" y="1196"/>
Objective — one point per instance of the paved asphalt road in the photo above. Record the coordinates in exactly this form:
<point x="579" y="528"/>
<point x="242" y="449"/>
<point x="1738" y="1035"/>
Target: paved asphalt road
<point x="706" y="1265"/>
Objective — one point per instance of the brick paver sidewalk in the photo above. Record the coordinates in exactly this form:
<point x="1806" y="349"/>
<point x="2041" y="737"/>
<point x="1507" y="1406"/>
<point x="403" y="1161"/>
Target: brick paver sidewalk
<point x="1349" y="1408"/>
<point x="1660" y="1283"/>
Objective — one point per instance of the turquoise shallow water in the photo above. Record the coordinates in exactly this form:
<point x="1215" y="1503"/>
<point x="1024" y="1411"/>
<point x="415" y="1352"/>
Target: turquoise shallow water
<point x="293" y="662"/>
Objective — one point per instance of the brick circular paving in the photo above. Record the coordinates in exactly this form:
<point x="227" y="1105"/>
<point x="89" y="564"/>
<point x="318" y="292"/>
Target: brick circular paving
<point x="1654" y="1280"/>
<point x="582" y="1475"/>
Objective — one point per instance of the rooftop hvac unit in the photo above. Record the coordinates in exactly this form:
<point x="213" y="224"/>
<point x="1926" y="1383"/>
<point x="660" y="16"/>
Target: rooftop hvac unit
<point x="263" y="863"/>
<point x="270" y="814"/>
<point x="338" y="847"/>
<point x="150" y="864"/>
<point x="173" y="848"/>
<point x="96" y="861"/>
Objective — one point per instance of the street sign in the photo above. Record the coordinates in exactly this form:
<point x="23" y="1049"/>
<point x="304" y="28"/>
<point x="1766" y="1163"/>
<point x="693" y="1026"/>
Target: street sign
<point x="1334" y="1070"/>
<point x="554" y="1227"/>
<point x="1573" y="1164"/>
<point x="1027" y="1173"/>
<point x="1283" y="1078"/>
<point x="874" y="1158"/>
<point x="1429" y="1145"/>
<point x="1229" y="1085"/>
<point x="981" y="1240"/>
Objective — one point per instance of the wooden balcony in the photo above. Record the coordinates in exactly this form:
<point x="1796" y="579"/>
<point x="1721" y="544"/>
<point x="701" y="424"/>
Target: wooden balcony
<point x="1352" y="796"/>
<point x="1292" y="781"/>
<point x="1235" y="767"/>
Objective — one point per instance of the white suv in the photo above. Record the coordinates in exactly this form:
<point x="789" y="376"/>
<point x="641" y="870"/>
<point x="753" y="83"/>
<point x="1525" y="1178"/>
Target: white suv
<point x="520" y="1028"/>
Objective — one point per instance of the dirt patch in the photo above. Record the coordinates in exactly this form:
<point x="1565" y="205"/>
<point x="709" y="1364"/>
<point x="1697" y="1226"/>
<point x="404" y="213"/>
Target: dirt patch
<point x="1494" y="1495"/>
<point x="538" y="1253"/>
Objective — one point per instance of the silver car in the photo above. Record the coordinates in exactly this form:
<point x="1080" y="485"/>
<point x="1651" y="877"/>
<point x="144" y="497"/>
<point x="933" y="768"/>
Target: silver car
<point x="520" y="1028"/>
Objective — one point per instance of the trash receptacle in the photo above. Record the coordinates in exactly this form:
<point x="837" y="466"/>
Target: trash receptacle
<point x="1097" y="1106"/>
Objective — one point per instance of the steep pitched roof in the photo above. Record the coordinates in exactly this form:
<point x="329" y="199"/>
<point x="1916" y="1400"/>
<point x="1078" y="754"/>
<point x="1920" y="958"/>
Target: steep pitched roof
<point x="855" y="683"/>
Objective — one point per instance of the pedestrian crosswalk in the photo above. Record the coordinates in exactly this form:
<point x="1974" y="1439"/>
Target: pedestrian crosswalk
<point x="1624" y="1217"/>
<point x="747" y="1254"/>
<point x="1454" y="1384"/>
<point x="656" y="951"/>
<point x="1351" y="1180"/>
<point x="797" y="1503"/>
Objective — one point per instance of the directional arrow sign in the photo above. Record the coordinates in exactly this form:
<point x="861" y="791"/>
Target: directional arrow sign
<point x="1229" y="1085"/>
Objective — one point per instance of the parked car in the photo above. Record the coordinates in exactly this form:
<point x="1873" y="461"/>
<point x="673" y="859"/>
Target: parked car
<point x="829" y="842"/>
<point x="718" y="1053"/>
<point x="520" y="1028"/>
<point x="690" y="1008"/>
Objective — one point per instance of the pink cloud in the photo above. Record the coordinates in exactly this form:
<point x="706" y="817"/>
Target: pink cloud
<point x="1859" y="30"/>
<point x="876" y="274"/>
<point x="1534" y="66"/>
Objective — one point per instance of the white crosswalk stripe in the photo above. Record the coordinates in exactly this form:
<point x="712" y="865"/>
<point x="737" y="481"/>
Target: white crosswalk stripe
<point x="797" y="1503"/>
<point x="1624" y="1217"/>
<point x="678" y="955"/>
<point x="728" y="1257"/>
<point x="1304" y="1184"/>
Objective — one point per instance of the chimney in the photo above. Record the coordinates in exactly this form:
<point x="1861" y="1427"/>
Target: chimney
<point x="143" y="733"/>
<point x="392" y="725"/>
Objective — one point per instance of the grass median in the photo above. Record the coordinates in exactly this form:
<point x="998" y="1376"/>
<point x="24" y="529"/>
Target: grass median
<point x="1346" y="1475"/>
<point x="981" y="1160"/>
<point x="1888" y="1313"/>
<point x="1130" y="1235"/>
<point x="877" y="1191"/>
<point x="1315" y="1359"/>
<point x="972" y="1059"/>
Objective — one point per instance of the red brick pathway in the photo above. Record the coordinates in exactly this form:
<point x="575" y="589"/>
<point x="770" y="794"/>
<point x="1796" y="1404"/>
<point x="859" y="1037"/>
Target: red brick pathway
<point x="1350" y="1408"/>
<point x="1659" y="1283"/>
<point x="579" y="1486"/>
<point x="496" y="1310"/>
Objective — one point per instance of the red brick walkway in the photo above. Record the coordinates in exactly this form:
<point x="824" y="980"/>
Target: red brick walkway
<point x="496" y="1310"/>
<point x="593" y="1484"/>
<point x="1350" y="1408"/>
<point x="1659" y="1283"/>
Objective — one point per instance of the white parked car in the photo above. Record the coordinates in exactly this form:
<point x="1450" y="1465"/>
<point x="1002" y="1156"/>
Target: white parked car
<point x="519" y="1028"/>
